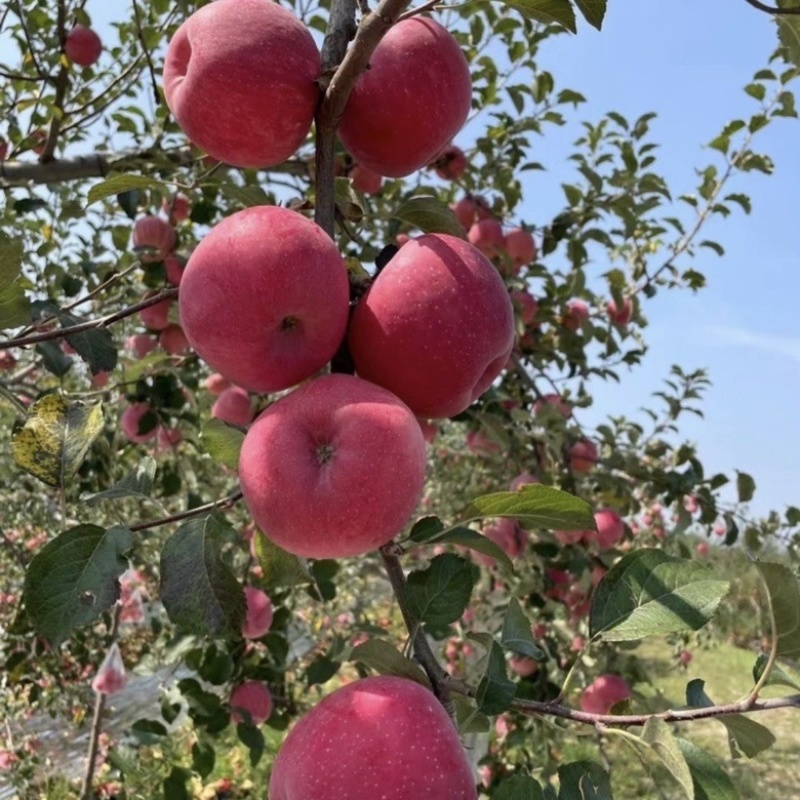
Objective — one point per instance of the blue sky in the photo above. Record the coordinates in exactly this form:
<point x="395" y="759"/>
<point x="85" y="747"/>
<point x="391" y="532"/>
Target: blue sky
<point x="688" y="61"/>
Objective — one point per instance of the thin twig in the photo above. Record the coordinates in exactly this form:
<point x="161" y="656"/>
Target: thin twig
<point x="62" y="84"/>
<point x="772" y="9"/>
<point x="150" y="66"/>
<point x="226" y="502"/>
<point x="102" y="322"/>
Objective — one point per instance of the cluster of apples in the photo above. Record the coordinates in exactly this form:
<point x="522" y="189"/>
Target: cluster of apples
<point x="336" y="466"/>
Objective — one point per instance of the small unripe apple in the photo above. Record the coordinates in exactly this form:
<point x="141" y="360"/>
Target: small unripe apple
<point x="451" y="163"/>
<point x="610" y="528"/>
<point x="620" y="315"/>
<point x="265" y="298"/>
<point x="173" y="340"/>
<point x="382" y="737"/>
<point x="411" y="102"/>
<point x="520" y="247"/>
<point x="487" y="236"/>
<point x="365" y="180"/>
<point x="577" y="312"/>
<point x="604" y="693"/>
<point x="131" y="421"/>
<point x="333" y="469"/>
<point x="259" y="613"/>
<point x="240" y="78"/>
<point x="82" y="46"/>
<point x="582" y="456"/>
<point x="153" y="239"/>
<point x="254" y="698"/>
<point x="155" y="317"/>
<point x="436" y="327"/>
<point x="234" y="406"/>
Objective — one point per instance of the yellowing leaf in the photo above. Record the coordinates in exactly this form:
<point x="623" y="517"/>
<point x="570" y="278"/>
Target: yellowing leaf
<point x="55" y="438"/>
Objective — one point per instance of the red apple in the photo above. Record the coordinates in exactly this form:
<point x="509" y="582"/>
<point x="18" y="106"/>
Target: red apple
<point x="520" y="247"/>
<point x="131" y="419"/>
<point x="436" y="327"/>
<point x="7" y="360"/>
<point x="411" y="102"/>
<point x="487" y="236"/>
<point x="153" y="239"/>
<point x="576" y="314"/>
<point x="240" y="78"/>
<point x="480" y="444"/>
<point x="526" y="306"/>
<point x="252" y="697"/>
<point x="176" y="208"/>
<point x="140" y="344"/>
<point x="100" y="379"/>
<point x="82" y="46"/>
<point x="451" y="163"/>
<point x="173" y="340"/>
<point x="111" y="677"/>
<point x="259" y="613"/>
<point x="685" y="657"/>
<point x="216" y="384"/>
<point x="234" y="406"/>
<point x="523" y="666"/>
<point x="507" y="533"/>
<point x="610" y="528"/>
<point x="604" y="693"/>
<point x="333" y="469"/>
<point x="265" y="298"/>
<point x="582" y="456"/>
<point x="167" y="439"/>
<point x="572" y="537"/>
<point x="620" y="315"/>
<point x="523" y="479"/>
<point x="155" y="317"/>
<point x="174" y="265"/>
<point x="365" y="180"/>
<point x="382" y="737"/>
<point x="552" y="403"/>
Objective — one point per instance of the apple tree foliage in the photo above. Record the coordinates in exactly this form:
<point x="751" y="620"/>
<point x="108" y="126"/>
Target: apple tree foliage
<point x="82" y="504"/>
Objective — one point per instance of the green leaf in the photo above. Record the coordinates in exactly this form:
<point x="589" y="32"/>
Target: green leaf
<point x="537" y="506"/>
<point x="496" y="690"/>
<point x="203" y="758"/>
<point x="222" y="442"/>
<point x="745" y="486"/>
<point x="468" y="718"/>
<point x="593" y="11"/>
<point x="252" y="738"/>
<point x="321" y="670"/>
<point x="385" y="659"/>
<point x="426" y="528"/>
<point x="54" y="358"/>
<point x="175" y="784"/>
<point x="466" y="537"/>
<point x="15" y="307"/>
<point x="710" y="781"/>
<point x="649" y="592"/>
<point x="657" y="734"/>
<point x="430" y="215"/>
<point x="777" y="676"/>
<point x="347" y="200"/>
<point x="439" y="594"/>
<point x="583" y="780"/>
<point x="280" y="568"/>
<point x="72" y="580"/>
<point x="117" y="184"/>
<point x="783" y="590"/>
<point x="96" y="347"/>
<point x="55" y="438"/>
<point x="137" y="483"/>
<point x="518" y="787"/>
<point x="246" y="196"/>
<point x="744" y="734"/>
<point x="199" y="591"/>
<point x="558" y="12"/>
<point x="11" y="253"/>
<point x="789" y="34"/>
<point x="516" y="635"/>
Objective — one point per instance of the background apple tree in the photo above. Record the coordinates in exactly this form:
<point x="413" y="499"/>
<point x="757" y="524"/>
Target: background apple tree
<point x="125" y="543"/>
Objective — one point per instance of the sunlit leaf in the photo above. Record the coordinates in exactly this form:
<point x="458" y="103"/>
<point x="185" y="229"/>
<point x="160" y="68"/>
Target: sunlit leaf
<point x="537" y="506"/>
<point x="784" y="606"/>
<point x="386" y="659"/>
